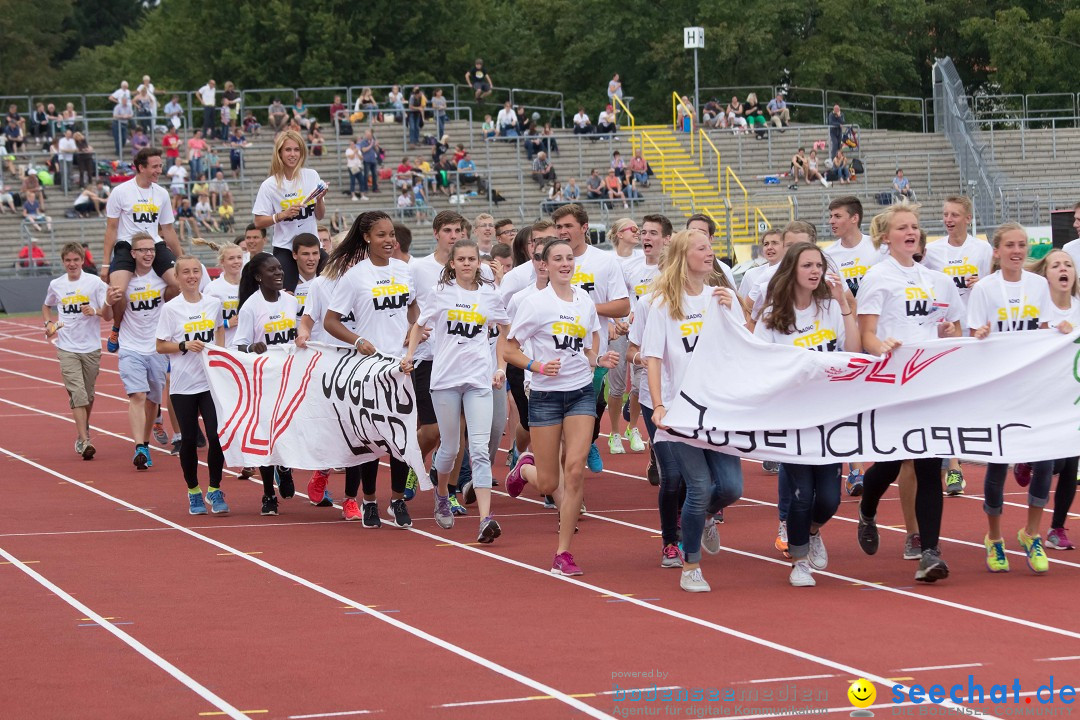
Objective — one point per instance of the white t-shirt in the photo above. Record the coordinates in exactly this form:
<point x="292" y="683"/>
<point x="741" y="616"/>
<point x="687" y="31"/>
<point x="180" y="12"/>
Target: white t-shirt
<point x="81" y="333"/>
<point x="303" y="288"/>
<point x="145" y="298"/>
<point x="974" y="258"/>
<point x="1010" y="306"/>
<point x="273" y="199"/>
<point x="751" y="278"/>
<point x="229" y="296"/>
<point x="1072" y="316"/>
<point x="909" y="301"/>
<point x="460" y="321"/>
<point x="638" y="275"/>
<point x="511" y="312"/>
<point x="761" y="288"/>
<point x="379" y="299"/>
<point x="273" y="323"/>
<point x="673" y="341"/>
<point x="139" y="210"/>
<point x="206" y="94"/>
<point x="641" y="307"/>
<point x="354" y="159"/>
<point x="182" y="321"/>
<point x="817" y="327"/>
<point x="852" y="264"/>
<point x="178" y="175"/>
<point x="519" y="278"/>
<point x="318" y="299"/>
<point x="1073" y="248"/>
<point x="426" y="273"/>
<point x="557" y="329"/>
<point x="581" y="119"/>
<point x="598" y="274"/>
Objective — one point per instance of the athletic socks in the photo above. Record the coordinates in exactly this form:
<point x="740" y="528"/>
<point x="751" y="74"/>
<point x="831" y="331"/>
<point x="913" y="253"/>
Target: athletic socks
<point x="195" y="490"/>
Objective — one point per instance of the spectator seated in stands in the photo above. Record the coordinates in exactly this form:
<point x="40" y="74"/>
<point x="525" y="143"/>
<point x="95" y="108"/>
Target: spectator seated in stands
<point x="613" y="184"/>
<point x="779" y="115"/>
<point x="69" y="117"/>
<point x="174" y="113"/>
<point x="902" y="188"/>
<point x="466" y="170"/>
<point x="7" y="200"/>
<point x="605" y="124"/>
<point x="582" y="125"/>
<point x="736" y="116"/>
<point x="812" y="171"/>
<point x="139" y="140"/>
<point x="755" y="116"/>
<point x="25" y="253"/>
<point x="555" y="198"/>
<point x="39" y="123"/>
<point x="507" y="121"/>
<point x="185" y="220"/>
<point x="34" y="211"/>
<point x="338" y="112"/>
<point x="617" y="163"/>
<point x="594" y="186"/>
<point x="251" y="124"/>
<point x="405" y="202"/>
<point x="225" y="215"/>
<point x="13" y="114"/>
<point x="200" y="187"/>
<point x="525" y="123"/>
<point x="204" y="214"/>
<point x="800" y="168"/>
<point x="571" y="192"/>
<point x="548" y="141"/>
<point x="219" y="191"/>
<point x="542" y="171"/>
<point x="403" y="177"/>
<point x="396" y="99"/>
<point x="88" y="203"/>
<point x="713" y="115"/>
<point x="88" y="265"/>
<point x="533" y="143"/>
<point x="640" y="168"/>
<point x="237" y="142"/>
<point x="278" y="116"/>
<point x="300" y="113"/>
<point x="488" y="128"/>
<point x="630" y="186"/>
<point x="13" y="136"/>
<point x="840" y="167"/>
<point x="315" y="139"/>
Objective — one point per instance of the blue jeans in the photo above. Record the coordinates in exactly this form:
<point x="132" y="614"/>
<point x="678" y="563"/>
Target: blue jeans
<point x="1042" y="474"/>
<point x="476" y="404"/>
<point x="196" y="167"/>
<point x="713" y="481"/>
<point x="414" y="128"/>
<point x="120" y="130"/>
<point x="356" y="180"/>
<point x="371" y="175"/>
<point x="783" y="494"/>
<point x="814" y="492"/>
<point x="440" y="126"/>
<point x="551" y="407"/>
<point x="670" y="482"/>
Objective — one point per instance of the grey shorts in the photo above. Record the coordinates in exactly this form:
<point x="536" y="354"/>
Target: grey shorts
<point x="79" y="371"/>
<point x="617" y="376"/>
<point x="143" y="374"/>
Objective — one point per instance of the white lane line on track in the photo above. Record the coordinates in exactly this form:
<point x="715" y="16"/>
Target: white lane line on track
<point x="128" y="640"/>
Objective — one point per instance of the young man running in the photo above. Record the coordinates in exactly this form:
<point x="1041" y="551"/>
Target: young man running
<point x="306" y="253"/>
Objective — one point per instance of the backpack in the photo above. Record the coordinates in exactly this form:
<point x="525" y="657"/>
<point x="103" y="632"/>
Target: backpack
<point x="857" y="166"/>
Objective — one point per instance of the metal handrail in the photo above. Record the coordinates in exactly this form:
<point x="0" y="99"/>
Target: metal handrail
<point x="701" y="162"/>
<point x="676" y="101"/>
<point x="633" y="123"/>
<point x="730" y="175"/>
<point x="690" y="190"/>
<point x="758" y="215"/>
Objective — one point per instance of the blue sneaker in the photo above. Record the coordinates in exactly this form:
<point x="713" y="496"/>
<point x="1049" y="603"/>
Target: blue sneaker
<point x="594" y="462"/>
<point x="141" y="461"/>
<point x="196" y="506"/>
<point x="113" y="343"/>
<point x="513" y="455"/>
<point x="456" y="507"/>
<point x="854" y="485"/>
<point x="410" y="485"/>
<point x="217" y="502"/>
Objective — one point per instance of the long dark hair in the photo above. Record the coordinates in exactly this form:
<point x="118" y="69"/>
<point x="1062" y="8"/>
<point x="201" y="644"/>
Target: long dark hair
<point x="248" y="285"/>
<point x="448" y="273"/>
<point x="519" y="248"/>
<point x="781" y="293"/>
<point x="354" y="247"/>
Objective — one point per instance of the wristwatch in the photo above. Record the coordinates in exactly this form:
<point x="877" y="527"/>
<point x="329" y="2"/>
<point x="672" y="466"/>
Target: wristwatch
<point x="183" y="347"/>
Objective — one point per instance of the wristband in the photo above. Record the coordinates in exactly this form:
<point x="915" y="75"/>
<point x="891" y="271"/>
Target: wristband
<point x="226" y="323"/>
<point x="541" y="366"/>
<point x="528" y="368"/>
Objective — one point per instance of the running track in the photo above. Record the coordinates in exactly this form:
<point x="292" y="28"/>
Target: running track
<point x="118" y="604"/>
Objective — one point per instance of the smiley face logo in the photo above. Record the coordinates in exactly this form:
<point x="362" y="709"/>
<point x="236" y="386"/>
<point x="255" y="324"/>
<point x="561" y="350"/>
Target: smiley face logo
<point x="862" y="693"/>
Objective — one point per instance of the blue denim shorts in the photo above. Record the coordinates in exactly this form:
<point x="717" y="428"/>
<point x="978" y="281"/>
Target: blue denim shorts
<point x="550" y="407"/>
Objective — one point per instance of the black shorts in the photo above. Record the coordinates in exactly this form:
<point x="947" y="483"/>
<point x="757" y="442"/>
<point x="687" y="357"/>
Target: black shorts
<point x="515" y="378"/>
<point x="122" y="259"/>
<point x="425" y="410"/>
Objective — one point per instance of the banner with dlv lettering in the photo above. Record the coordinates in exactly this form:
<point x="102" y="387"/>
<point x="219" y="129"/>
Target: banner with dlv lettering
<point x="1010" y="398"/>
<point x="314" y="408"/>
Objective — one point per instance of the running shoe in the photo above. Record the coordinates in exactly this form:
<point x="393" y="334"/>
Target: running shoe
<point x="801" y="574"/>
<point x="1056" y="539"/>
<point x="512" y="456"/>
<point x="719" y="516"/>
<point x="781" y="541"/>
<point x="113" y="343"/>
<point x="196" y="505"/>
<point x="78" y="446"/>
<point x="564" y="564"/>
<point x="1022" y="473"/>
<point x="316" y="486"/>
<point x="868" y="536"/>
<point x="468" y="493"/>
<point x="200" y="439"/>
<point x="269" y="505"/>
<point x="770" y="467"/>
<point x="549" y="502"/>
<point x="996" y="560"/>
<point x="350" y="509"/>
<point x="653" y="474"/>
<point x="88" y="450"/>
<point x="955" y="483"/>
<point x="160" y="435"/>
<point x="247" y="473"/>
<point x="455" y="506"/>
<point x="399" y="514"/>
<point x="444" y="515"/>
<point x="854" y="483"/>
<point x="626" y="409"/>
<point x="515" y="482"/>
<point x="218" y="506"/>
<point x="817" y="556"/>
<point x="284" y="481"/>
<point x="614" y="445"/>
<point x="912" y="547"/>
<point x="710" y="537"/>
<point x="1036" y="553"/>
<point x="636" y="443"/>
<point x="410" y="484"/>
<point x="371" y="515"/>
<point x="693" y="581"/>
<point x="670" y="557"/>
<point x="175" y="450"/>
<point x="142" y="458"/>
<point x="489" y="530"/>
<point x="931" y="566"/>
<point x="594" y="462"/>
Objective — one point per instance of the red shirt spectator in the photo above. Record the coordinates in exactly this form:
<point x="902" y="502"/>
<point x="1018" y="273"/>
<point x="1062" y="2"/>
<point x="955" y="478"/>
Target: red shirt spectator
<point x="170" y="141"/>
<point x="39" y="256"/>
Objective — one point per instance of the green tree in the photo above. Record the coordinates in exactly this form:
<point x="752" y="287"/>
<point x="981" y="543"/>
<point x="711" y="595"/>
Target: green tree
<point x="31" y="34"/>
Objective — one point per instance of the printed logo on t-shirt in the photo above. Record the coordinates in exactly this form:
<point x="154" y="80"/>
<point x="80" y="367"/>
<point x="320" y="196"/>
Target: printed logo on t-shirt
<point x="959" y="270"/>
<point x="568" y="333"/>
<point x="199" y="327"/>
<point x="229" y="310"/>
<point x="145" y="212"/>
<point x="640" y="290"/>
<point x="144" y="299"/>
<point x="279" y="330"/>
<point x="294" y="199"/>
<point x="584" y="280"/>
<point x="465" y="321"/>
<point x="814" y="337"/>
<point x="690" y="330"/>
<point x="389" y="295"/>
<point x="1016" y="318"/>
<point x="72" y="302"/>
<point x="301" y="304"/>
<point x="853" y="273"/>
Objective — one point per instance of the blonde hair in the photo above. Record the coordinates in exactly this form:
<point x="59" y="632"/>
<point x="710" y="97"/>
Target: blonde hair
<point x="999" y="235"/>
<point x="879" y="226"/>
<point x="186" y="258"/>
<point x="277" y="165"/>
<point x="877" y="231"/>
<point x="963" y="201"/>
<point x="670" y="283"/>
<point x="226" y="249"/>
<point x="617" y="227"/>
<point x="207" y="243"/>
<point x="1042" y="265"/>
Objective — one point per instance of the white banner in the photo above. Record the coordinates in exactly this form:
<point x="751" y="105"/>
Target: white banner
<point x="313" y="408"/>
<point x="1010" y="398"/>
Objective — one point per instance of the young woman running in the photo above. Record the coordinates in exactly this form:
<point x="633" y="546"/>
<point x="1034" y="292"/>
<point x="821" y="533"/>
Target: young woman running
<point x="688" y="292"/>
<point x="464" y="308"/>
<point x="290" y="201"/>
<point x="1059" y="269"/>
<point x="377" y="291"/>
<point x="560" y="327"/>
<point x="187" y="325"/>
<point x="901" y="301"/>
<point x="806" y="306"/>
<point x="267" y="317"/>
<point x="1013" y="300"/>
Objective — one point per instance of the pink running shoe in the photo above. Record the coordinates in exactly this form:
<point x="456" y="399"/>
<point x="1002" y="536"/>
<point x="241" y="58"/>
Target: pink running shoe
<point x="564" y="565"/>
<point x="1058" y="540"/>
<point x="350" y="510"/>
<point x="515" y="483"/>
<point x="1022" y="472"/>
<point x="316" y="486"/>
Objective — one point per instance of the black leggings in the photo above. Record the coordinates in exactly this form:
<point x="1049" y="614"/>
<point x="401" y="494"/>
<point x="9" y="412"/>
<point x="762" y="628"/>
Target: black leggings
<point x="1065" y="492"/>
<point x="368" y="473"/>
<point x="188" y="408"/>
<point x="291" y="272"/>
<point x="515" y="378"/>
<point x="928" y="498"/>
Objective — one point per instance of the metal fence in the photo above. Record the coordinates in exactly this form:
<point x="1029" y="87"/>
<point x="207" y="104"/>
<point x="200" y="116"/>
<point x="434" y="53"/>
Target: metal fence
<point x="813" y="105"/>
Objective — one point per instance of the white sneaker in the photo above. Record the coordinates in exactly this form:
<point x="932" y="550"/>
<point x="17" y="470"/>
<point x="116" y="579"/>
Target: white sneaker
<point x="710" y="537"/>
<point x="817" y="556"/>
<point x="692" y="581"/>
<point x="636" y="443"/>
<point x="614" y="444"/>
<point x="801" y="575"/>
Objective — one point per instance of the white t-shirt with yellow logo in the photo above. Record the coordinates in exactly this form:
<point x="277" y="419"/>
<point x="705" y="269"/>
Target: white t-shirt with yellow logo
<point x="460" y="321"/>
<point x="229" y="295"/>
<point x="81" y="333"/>
<point x="817" y="327"/>
<point x="598" y="273"/>
<point x="1010" y="306"/>
<point x="145" y="298"/>
<point x="974" y="258"/>
<point x="139" y="210"/>
<point x="638" y="275"/>
<point x="853" y="263"/>
<point x="554" y="329"/>
<point x="182" y="321"/>
<point x="274" y="198"/>
<point x="378" y="297"/>
<point x="909" y="301"/>
<point x="303" y="289"/>
<point x="259" y="320"/>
